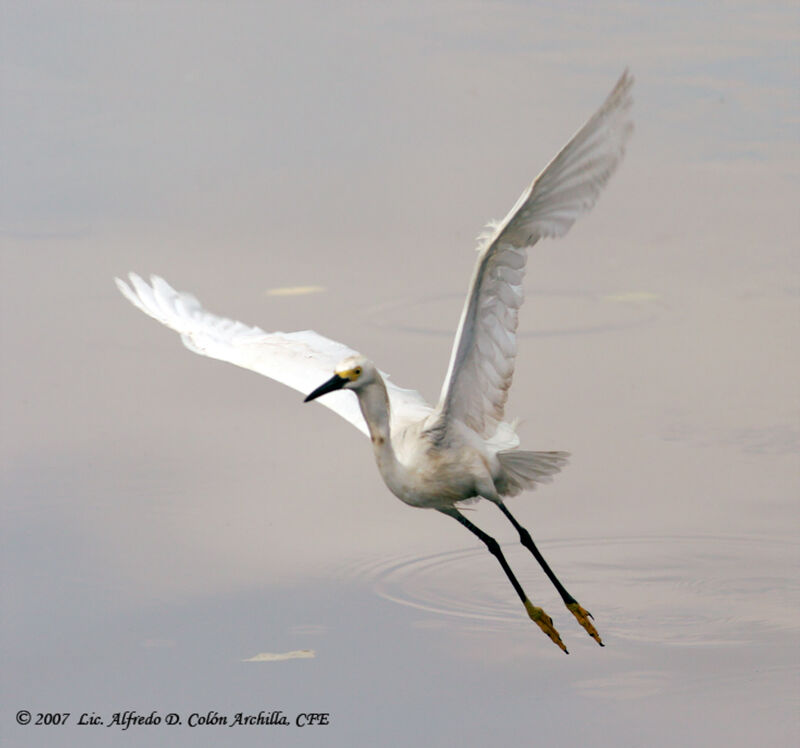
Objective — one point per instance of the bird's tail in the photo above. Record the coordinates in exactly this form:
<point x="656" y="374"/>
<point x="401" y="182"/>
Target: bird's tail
<point x="525" y="470"/>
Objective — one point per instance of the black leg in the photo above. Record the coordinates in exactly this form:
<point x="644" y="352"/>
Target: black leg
<point x="572" y="604"/>
<point x="537" y="615"/>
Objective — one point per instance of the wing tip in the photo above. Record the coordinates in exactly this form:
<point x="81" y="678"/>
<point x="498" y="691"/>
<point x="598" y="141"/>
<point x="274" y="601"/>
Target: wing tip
<point x="620" y="100"/>
<point x="121" y="285"/>
<point x="131" y="292"/>
<point x="157" y="299"/>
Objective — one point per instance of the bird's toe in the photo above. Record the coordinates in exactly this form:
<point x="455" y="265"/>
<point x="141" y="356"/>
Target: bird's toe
<point x="584" y="617"/>
<point x="545" y="623"/>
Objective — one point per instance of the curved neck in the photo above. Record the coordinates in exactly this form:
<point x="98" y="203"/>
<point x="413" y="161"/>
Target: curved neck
<point x="374" y="403"/>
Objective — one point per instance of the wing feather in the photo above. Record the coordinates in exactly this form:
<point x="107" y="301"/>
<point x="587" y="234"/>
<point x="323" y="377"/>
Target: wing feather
<point x="301" y="360"/>
<point x="481" y="366"/>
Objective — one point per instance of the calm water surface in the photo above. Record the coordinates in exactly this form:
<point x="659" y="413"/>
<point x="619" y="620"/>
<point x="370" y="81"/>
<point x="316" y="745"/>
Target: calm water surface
<point x="166" y="517"/>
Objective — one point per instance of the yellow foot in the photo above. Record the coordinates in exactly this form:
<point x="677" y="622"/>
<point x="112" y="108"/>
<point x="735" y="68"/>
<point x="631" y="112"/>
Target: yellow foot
<point x="583" y="617"/>
<point x="545" y="623"/>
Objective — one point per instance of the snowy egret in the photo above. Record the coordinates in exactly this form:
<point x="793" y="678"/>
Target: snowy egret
<point x="462" y="449"/>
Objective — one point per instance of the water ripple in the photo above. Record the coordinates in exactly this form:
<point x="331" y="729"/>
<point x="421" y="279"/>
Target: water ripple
<point x="677" y="590"/>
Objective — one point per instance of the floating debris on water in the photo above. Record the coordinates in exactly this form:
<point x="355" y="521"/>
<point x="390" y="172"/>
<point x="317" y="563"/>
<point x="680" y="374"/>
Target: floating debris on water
<point x="297" y="654"/>
<point x="294" y="290"/>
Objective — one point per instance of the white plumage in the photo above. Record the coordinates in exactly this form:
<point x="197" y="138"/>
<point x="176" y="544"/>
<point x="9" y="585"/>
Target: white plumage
<point x="297" y="359"/>
<point x="463" y="448"/>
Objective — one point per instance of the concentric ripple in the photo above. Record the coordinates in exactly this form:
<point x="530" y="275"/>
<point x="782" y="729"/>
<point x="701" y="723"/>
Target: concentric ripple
<point x="682" y="590"/>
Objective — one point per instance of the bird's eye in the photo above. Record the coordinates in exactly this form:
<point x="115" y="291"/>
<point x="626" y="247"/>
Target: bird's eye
<point x="357" y="371"/>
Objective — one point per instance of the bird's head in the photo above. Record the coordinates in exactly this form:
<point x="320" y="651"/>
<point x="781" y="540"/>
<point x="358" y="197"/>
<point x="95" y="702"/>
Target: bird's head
<point x="353" y="373"/>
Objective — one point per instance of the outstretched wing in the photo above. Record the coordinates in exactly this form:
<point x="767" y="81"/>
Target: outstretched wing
<point x="481" y="367"/>
<point x="301" y="360"/>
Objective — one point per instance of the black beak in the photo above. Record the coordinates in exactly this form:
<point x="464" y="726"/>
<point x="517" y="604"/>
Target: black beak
<point x="334" y="383"/>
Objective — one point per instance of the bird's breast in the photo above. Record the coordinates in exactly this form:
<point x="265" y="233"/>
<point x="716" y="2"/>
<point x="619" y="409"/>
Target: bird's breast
<point x="422" y="476"/>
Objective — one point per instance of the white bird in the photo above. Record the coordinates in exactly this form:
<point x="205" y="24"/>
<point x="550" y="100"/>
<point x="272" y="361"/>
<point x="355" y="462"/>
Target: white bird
<point x="462" y="449"/>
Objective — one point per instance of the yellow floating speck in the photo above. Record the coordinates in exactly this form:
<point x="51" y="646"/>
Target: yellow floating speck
<point x="296" y="654"/>
<point x="294" y="290"/>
